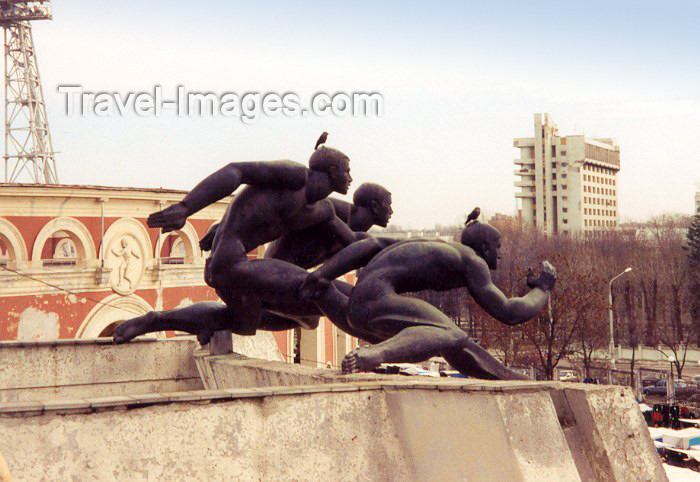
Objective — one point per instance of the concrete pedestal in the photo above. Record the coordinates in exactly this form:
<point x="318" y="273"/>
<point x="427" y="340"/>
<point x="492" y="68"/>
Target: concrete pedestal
<point x="299" y="423"/>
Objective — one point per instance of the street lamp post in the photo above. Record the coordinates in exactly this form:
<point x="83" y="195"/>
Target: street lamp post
<point x="610" y="313"/>
<point x="670" y="383"/>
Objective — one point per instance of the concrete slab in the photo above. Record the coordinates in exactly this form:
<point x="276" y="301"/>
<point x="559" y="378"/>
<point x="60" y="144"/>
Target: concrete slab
<point x="481" y="436"/>
<point x="96" y="367"/>
<point x="610" y="431"/>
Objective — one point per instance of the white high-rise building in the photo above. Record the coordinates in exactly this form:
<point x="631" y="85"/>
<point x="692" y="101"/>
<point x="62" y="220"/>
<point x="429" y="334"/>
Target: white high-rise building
<point x="568" y="184"/>
<point x="697" y="203"/>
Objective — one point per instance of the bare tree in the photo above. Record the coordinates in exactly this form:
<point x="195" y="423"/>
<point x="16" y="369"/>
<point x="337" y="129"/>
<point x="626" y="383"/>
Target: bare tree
<point x="575" y="307"/>
<point x="668" y="236"/>
<point x="693" y="251"/>
<point x="631" y="311"/>
<point x="651" y="306"/>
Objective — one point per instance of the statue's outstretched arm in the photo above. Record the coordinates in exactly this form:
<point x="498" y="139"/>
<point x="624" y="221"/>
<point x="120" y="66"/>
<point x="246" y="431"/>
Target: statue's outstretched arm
<point x="513" y="311"/>
<point x="352" y="257"/>
<point x="342" y="232"/>
<point x="281" y="174"/>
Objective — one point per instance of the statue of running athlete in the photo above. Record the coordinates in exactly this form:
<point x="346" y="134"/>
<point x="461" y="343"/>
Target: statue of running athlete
<point x="408" y="329"/>
<point x="305" y="248"/>
<point x="279" y="197"/>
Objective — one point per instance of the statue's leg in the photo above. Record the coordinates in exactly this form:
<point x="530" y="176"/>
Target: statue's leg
<point x="276" y="283"/>
<point x="279" y="322"/>
<point x="334" y="304"/>
<point x="269" y="280"/>
<point x="475" y="361"/>
<point x="200" y="319"/>
<point x="285" y="316"/>
<point x="413" y="330"/>
<point x="423" y="331"/>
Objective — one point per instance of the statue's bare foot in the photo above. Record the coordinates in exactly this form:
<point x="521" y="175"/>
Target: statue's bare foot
<point x="170" y="218"/>
<point x="361" y="359"/>
<point x="131" y="329"/>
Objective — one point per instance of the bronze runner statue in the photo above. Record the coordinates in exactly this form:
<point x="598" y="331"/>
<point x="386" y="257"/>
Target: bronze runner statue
<point x="305" y="247"/>
<point x="406" y="329"/>
<point x="278" y="197"/>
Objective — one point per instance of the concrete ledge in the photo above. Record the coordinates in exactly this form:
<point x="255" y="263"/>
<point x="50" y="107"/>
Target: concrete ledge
<point x="67" y="342"/>
<point x="94" y="367"/>
<point x="237" y="371"/>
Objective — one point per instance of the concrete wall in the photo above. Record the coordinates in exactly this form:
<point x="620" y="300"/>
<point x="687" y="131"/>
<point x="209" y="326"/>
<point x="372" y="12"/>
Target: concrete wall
<point x="591" y="423"/>
<point x="404" y="430"/>
<point x="94" y="368"/>
<point x="650" y="353"/>
<point x="273" y="438"/>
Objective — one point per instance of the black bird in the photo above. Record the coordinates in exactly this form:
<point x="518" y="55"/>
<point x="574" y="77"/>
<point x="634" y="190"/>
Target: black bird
<point x="472" y="216"/>
<point x="321" y="140"/>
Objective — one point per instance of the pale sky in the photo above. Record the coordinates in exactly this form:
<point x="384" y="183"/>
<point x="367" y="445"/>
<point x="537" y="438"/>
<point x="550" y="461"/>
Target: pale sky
<point x="459" y="81"/>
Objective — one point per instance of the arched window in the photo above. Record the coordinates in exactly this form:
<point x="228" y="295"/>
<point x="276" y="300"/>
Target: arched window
<point x="180" y="247"/>
<point x="13" y="251"/>
<point x="59" y="250"/>
<point x="4" y="252"/>
<point x="172" y="250"/>
<point x="64" y="242"/>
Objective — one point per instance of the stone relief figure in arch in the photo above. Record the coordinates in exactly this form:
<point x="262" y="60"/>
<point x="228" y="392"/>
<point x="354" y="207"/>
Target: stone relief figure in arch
<point x="126" y="253"/>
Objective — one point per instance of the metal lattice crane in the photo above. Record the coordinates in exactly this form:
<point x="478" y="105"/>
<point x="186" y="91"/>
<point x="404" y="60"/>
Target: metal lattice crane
<point x="28" y="147"/>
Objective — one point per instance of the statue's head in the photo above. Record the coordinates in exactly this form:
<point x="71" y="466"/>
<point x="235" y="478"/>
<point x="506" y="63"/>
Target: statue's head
<point x="485" y="240"/>
<point x="377" y="199"/>
<point x="335" y="164"/>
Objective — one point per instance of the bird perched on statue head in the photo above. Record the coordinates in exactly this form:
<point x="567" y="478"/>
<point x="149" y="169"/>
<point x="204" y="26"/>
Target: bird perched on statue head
<point x="473" y="216"/>
<point x="321" y="140"/>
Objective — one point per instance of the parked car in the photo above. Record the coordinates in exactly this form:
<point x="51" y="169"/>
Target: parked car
<point x="660" y="387"/>
<point x="568" y="376"/>
<point x="650" y="382"/>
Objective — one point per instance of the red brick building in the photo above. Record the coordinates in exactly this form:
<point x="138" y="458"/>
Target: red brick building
<point x="75" y="261"/>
